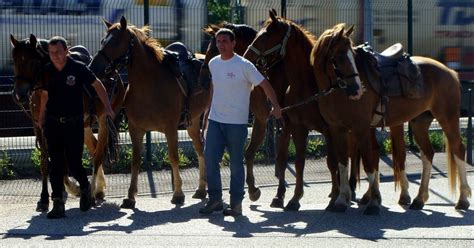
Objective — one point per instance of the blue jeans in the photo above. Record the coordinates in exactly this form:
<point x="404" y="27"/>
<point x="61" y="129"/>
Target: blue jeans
<point x="219" y="136"/>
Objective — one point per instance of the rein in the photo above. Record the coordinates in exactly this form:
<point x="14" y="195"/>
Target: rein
<point x="314" y="97"/>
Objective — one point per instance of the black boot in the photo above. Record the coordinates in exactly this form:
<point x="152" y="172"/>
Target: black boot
<point x="86" y="199"/>
<point x="58" y="210"/>
<point x="233" y="210"/>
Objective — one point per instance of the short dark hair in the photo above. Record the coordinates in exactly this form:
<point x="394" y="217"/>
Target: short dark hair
<point x="226" y="31"/>
<point x="58" y="40"/>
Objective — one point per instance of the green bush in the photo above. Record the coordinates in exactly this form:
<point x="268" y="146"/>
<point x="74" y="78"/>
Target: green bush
<point x="6" y="167"/>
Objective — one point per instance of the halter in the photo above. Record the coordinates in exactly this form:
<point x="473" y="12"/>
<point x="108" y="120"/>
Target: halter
<point x="120" y="62"/>
<point x="340" y="82"/>
<point x="280" y="48"/>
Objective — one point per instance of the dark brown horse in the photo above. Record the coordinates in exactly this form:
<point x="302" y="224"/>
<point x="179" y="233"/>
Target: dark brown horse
<point x="337" y="63"/>
<point x="298" y="121"/>
<point x="29" y="56"/>
<point x="154" y="100"/>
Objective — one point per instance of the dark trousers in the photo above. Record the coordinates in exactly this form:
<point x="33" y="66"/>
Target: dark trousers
<point x="65" y="146"/>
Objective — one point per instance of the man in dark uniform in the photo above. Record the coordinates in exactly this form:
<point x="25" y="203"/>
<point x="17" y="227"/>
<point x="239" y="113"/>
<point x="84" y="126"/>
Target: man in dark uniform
<point x="61" y="118"/>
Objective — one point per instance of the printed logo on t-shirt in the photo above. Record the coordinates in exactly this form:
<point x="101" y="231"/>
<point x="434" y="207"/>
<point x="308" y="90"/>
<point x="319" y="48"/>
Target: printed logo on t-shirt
<point x="71" y="80"/>
<point x="230" y="75"/>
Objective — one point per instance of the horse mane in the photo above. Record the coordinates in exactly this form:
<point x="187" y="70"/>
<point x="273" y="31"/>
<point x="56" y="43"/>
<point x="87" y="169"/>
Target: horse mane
<point x="324" y="43"/>
<point x="303" y="31"/>
<point x="144" y="36"/>
<point x="239" y="29"/>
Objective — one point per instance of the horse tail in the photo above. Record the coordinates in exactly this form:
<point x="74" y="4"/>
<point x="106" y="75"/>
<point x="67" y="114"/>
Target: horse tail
<point x="452" y="168"/>
<point x="71" y="188"/>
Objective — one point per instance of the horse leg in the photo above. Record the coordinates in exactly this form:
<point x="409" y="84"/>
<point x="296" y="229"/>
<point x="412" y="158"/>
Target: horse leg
<point x="421" y="135"/>
<point x="172" y="140"/>
<point x="399" y="158"/>
<point x="92" y="146"/>
<point x="370" y="156"/>
<point x="300" y="133"/>
<point x="355" y="164"/>
<point x="340" y="148"/>
<point x="456" y="153"/>
<point x="102" y="139"/>
<point x="331" y="162"/>
<point x="258" y="135"/>
<point x="136" y="136"/>
<point x="43" y="203"/>
<point x="282" y="141"/>
<point x="194" y="133"/>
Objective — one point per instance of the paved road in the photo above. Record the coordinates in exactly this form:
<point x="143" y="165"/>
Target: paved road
<point x="156" y="222"/>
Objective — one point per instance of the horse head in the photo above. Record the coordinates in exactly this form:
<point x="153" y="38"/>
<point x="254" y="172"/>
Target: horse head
<point x="334" y="56"/>
<point x="29" y="55"/>
<point x="115" y="51"/>
<point x="269" y="46"/>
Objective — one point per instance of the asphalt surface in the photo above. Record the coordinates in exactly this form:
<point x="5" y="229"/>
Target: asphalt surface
<point x="157" y="222"/>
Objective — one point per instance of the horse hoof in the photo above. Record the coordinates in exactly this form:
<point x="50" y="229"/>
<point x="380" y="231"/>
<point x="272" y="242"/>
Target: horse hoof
<point x="372" y="210"/>
<point x="254" y="196"/>
<point x="42" y="206"/>
<point x="177" y="200"/>
<point x="404" y="200"/>
<point x="364" y="200"/>
<point x="128" y="204"/>
<point x="462" y="205"/>
<point x="292" y="206"/>
<point x="277" y="203"/>
<point x="200" y="194"/>
<point x="417" y="205"/>
<point x="100" y="196"/>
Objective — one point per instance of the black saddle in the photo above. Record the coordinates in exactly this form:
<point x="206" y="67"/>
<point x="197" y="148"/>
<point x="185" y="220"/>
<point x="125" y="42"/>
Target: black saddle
<point x="391" y="72"/>
<point x="183" y="64"/>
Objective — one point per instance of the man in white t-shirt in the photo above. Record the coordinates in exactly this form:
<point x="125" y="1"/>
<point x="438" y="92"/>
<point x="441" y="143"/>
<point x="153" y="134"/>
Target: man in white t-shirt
<point x="233" y="78"/>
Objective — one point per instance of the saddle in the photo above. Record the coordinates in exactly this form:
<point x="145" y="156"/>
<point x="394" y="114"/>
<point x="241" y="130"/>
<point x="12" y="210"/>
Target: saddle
<point x="390" y="73"/>
<point x="186" y="68"/>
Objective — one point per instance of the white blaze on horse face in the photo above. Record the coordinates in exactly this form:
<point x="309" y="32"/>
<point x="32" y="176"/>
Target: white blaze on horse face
<point x="351" y="58"/>
<point x="350" y="55"/>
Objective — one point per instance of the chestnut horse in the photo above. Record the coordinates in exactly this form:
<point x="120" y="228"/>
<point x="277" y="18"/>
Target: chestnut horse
<point x="153" y="101"/>
<point x="29" y="56"/>
<point x="337" y="63"/>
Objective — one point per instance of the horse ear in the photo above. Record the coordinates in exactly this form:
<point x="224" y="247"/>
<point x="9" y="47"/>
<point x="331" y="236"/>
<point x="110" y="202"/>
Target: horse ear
<point x="274" y="12"/>
<point x="350" y="31"/>
<point x="273" y="16"/>
<point x="33" y="40"/>
<point x="14" y="41"/>
<point x="340" y="34"/>
<point x="123" y="23"/>
<point x="106" y="23"/>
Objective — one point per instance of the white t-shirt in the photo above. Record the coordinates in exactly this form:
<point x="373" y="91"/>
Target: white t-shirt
<point x="232" y="81"/>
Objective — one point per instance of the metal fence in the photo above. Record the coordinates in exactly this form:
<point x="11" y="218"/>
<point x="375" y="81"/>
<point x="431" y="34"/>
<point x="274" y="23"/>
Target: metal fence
<point x="430" y="28"/>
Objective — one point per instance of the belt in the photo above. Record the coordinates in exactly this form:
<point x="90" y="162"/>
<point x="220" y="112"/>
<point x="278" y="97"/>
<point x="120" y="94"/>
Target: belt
<point x="66" y="119"/>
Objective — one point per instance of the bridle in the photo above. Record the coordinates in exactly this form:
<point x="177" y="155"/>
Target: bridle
<point x="41" y="57"/>
<point x="340" y="82"/>
<point x="118" y="63"/>
<point x="280" y="49"/>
